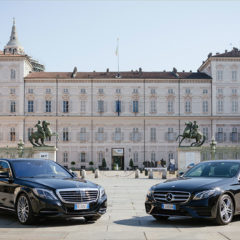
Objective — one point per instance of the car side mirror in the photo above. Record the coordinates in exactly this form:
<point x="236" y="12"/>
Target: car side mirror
<point x="4" y="175"/>
<point x="180" y="174"/>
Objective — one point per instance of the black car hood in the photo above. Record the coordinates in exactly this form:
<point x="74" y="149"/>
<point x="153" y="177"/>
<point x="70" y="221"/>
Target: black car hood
<point x="59" y="183"/>
<point x="191" y="184"/>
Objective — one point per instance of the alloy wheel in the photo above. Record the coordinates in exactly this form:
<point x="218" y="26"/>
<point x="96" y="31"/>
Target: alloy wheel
<point x="23" y="209"/>
<point x="226" y="209"/>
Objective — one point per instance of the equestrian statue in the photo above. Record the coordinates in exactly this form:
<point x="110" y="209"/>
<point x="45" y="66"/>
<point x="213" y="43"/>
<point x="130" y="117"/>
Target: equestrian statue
<point x="43" y="132"/>
<point x="191" y="132"/>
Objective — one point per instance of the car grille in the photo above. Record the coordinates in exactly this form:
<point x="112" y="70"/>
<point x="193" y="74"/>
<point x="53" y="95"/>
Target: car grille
<point x="171" y="196"/>
<point x="78" y="195"/>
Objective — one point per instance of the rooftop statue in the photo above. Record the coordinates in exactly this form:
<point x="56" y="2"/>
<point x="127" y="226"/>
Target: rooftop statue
<point x="191" y="132"/>
<point x="43" y="132"/>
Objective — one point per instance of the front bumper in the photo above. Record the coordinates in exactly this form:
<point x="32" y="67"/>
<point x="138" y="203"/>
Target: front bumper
<point x="56" y="208"/>
<point x="205" y="208"/>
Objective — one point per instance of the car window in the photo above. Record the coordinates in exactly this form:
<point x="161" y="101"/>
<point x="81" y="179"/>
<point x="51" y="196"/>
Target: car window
<point x="38" y="168"/>
<point x="214" y="169"/>
<point x="4" y="168"/>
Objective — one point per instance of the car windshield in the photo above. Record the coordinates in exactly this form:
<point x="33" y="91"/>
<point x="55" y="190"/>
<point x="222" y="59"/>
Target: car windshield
<point x="214" y="169"/>
<point x="38" y="168"/>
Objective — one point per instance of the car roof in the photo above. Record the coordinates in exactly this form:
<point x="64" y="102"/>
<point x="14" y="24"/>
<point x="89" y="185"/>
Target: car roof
<point x="223" y="160"/>
<point x="22" y="159"/>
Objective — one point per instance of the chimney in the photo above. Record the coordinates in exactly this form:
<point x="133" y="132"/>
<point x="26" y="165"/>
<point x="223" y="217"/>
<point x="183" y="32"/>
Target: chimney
<point x="140" y="70"/>
<point x="225" y="50"/>
<point x="107" y="70"/>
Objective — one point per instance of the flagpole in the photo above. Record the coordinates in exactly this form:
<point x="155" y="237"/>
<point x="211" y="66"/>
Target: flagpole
<point x="118" y="56"/>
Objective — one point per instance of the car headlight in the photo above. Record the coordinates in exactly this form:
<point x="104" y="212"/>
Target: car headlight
<point x="102" y="192"/>
<point x="44" y="193"/>
<point x="150" y="192"/>
<point x="204" y="194"/>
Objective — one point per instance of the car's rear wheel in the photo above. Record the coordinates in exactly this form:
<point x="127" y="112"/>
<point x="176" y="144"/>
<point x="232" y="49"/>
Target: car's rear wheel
<point x="92" y="218"/>
<point x="225" y="210"/>
<point x="24" y="210"/>
<point x="160" y="218"/>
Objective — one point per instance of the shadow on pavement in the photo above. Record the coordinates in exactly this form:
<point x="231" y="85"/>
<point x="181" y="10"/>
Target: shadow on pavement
<point x="9" y="220"/>
<point x="183" y="222"/>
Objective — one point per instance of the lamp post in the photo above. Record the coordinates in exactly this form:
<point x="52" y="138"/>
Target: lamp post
<point x="213" y="145"/>
<point x="20" y="148"/>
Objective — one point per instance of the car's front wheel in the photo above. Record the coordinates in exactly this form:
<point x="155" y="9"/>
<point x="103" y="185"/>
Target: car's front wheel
<point x="225" y="210"/>
<point x="161" y="218"/>
<point x="91" y="218"/>
<point x="24" y="210"/>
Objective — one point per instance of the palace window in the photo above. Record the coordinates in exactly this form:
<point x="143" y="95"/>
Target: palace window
<point x="48" y="106"/>
<point x="219" y="75"/>
<point x="48" y="90"/>
<point x="100" y="134"/>
<point x="65" y="91"/>
<point x="100" y="91"/>
<point x="83" y="90"/>
<point x="205" y="132"/>
<point x="170" y="91"/>
<point x="188" y="106"/>
<point x="135" y="135"/>
<point x="234" y="106"/>
<point x="12" y="135"/>
<point x="170" y="106"/>
<point x="187" y="91"/>
<point x="234" y="91"/>
<point x="170" y="134"/>
<point x="117" y="135"/>
<point x="83" y="135"/>
<point x="153" y="156"/>
<point x="83" y="106"/>
<point x="220" y="135"/>
<point x="234" y="75"/>
<point x="12" y="106"/>
<point x="65" y="135"/>
<point x="135" y="90"/>
<point x="30" y="90"/>
<point x="13" y="74"/>
<point x="100" y="106"/>
<point x="135" y="157"/>
<point x="234" y="135"/>
<point x="12" y="91"/>
<point x="220" y="106"/>
<point x="30" y="106"/>
<point x="153" y="136"/>
<point x="118" y="90"/>
<point x="29" y="132"/>
<point x="65" y="106"/>
<point x="100" y="157"/>
<point x="205" y="91"/>
<point x="153" y="91"/>
<point x="153" y="106"/>
<point x="135" y="106"/>
<point x="205" y="106"/>
<point x="118" y="106"/>
<point x="83" y="157"/>
<point x="65" y="157"/>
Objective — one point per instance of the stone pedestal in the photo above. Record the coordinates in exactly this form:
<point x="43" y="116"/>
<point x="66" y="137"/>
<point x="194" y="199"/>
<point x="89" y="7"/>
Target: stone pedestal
<point x="188" y="155"/>
<point x="45" y="153"/>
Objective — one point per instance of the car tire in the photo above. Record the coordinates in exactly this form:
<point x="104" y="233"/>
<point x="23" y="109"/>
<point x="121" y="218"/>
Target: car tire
<point x="160" y="218"/>
<point x="91" y="218"/>
<point x="225" y="210"/>
<point x="24" y="210"/>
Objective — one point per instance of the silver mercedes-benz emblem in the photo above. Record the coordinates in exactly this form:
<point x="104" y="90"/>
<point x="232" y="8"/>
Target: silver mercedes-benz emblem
<point x="169" y="197"/>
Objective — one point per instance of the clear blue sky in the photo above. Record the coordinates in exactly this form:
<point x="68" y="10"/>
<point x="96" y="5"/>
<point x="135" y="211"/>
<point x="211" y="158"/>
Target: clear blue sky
<point x="154" y="35"/>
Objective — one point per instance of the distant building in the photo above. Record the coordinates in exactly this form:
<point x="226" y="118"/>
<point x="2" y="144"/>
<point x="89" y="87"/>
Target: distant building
<point x="136" y="115"/>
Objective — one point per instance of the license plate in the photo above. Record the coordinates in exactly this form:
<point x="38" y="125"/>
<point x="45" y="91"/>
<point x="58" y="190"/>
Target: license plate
<point x="169" y="206"/>
<point x="81" y="206"/>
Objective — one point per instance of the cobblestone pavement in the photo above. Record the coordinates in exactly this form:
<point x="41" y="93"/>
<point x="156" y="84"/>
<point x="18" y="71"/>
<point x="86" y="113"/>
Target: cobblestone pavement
<point x="125" y="219"/>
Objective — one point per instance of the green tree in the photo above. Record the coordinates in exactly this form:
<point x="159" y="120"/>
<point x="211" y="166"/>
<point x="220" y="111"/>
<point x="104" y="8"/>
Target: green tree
<point x="104" y="164"/>
<point x="131" y="164"/>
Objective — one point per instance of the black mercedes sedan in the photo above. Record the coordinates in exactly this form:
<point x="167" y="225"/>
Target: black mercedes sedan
<point x="43" y="188"/>
<point x="210" y="189"/>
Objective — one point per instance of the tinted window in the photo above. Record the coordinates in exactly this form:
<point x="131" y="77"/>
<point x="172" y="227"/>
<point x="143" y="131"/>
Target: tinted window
<point x="38" y="168"/>
<point x="4" y="168"/>
<point x="214" y="169"/>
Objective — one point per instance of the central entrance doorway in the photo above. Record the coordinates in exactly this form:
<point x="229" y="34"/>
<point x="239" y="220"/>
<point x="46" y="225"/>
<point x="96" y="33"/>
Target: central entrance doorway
<point x="118" y="158"/>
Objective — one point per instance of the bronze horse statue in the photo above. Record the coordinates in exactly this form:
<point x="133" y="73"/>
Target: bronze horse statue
<point x="191" y="132"/>
<point x="43" y="132"/>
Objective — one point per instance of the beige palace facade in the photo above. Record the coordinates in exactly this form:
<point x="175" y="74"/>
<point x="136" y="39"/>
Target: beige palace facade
<point x="118" y="116"/>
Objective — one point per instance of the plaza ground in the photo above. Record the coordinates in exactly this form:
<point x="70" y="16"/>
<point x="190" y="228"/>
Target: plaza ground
<point x="125" y="219"/>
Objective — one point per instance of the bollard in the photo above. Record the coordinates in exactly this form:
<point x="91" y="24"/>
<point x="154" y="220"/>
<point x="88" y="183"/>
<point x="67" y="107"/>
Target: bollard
<point x="164" y="174"/>
<point x="96" y="173"/>
<point x="150" y="174"/>
<point x="137" y="173"/>
<point x="83" y="174"/>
